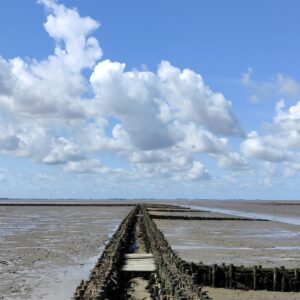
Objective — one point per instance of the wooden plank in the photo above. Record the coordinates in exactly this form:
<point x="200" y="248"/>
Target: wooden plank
<point x="139" y="268"/>
<point x="139" y="262"/>
<point x="139" y="255"/>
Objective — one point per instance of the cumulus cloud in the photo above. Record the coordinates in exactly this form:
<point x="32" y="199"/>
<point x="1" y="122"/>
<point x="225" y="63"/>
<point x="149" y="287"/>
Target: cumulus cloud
<point x="62" y="151"/>
<point x="146" y="101"/>
<point x="279" y="85"/>
<point x="281" y="146"/>
<point x="233" y="161"/>
<point x="290" y="119"/>
<point x="261" y="148"/>
<point x="86" y="166"/>
<point x="162" y="119"/>
<point x="75" y="48"/>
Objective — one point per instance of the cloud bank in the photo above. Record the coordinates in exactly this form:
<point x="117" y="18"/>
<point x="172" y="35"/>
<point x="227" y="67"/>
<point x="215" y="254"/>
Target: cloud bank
<point x="162" y="119"/>
<point x="166" y="124"/>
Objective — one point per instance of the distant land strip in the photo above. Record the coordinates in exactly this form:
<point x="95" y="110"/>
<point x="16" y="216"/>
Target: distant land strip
<point x="67" y="204"/>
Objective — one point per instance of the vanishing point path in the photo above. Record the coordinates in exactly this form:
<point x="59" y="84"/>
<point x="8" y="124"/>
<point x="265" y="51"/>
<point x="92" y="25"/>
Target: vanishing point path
<point x="138" y="263"/>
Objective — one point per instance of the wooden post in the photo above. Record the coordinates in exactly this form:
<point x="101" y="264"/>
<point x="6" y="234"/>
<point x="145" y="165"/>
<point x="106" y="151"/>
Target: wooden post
<point x="213" y="275"/>
<point x="255" y="278"/>
<point x="282" y="278"/>
<point x="296" y="273"/>
<point x="231" y="281"/>
<point x="275" y="275"/>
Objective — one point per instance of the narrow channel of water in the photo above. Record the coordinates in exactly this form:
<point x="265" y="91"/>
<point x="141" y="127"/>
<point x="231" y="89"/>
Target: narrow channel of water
<point x="282" y="219"/>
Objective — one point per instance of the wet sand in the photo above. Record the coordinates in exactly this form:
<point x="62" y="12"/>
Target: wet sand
<point x="46" y="251"/>
<point x="192" y="214"/>
<point x="221" y="294"/>
<point x="283" y="211"/>
<point x="239" y="242"/>
<point x="279" y="208"/>
<point x="249" y="243"/>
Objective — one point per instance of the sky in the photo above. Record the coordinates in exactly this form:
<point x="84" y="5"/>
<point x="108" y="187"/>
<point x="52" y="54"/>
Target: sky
<point x="150" y="99"/>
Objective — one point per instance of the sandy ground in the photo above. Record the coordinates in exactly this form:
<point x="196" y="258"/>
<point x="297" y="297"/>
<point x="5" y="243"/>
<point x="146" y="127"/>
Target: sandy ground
<point x="239" y="242"/>
<point x="46" y="251"/>
<point x="221" y="294"/>
<point x="139" y="289"/>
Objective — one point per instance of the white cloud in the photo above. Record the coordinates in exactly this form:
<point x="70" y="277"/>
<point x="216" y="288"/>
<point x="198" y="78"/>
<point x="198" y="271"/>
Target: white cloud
<point x="62" y="151"/>
<point x="197" y="139"/>
<point x="162" y="119"/>
<point x="281" y="146"/>
<point x="86" y="166"/>
<point x="280" y="85"/>
<point x="290" y="119"/>
<point x="6" y="78"/>
<point x="197" y="172"/>
<point x="233" y="161"/>
<point x="258" y="147"/>
<point x="71" y="32"/>
<point x="151" y="106"/>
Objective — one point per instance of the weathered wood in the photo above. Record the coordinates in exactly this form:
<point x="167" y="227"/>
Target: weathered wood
<point x="254" y="277"/>
<point x="275" y="274"/>
<point x="139" y="262"/>
<point x="213" y="275"/>
<point x="297" y="283"/>
<point x="138" y="255"/>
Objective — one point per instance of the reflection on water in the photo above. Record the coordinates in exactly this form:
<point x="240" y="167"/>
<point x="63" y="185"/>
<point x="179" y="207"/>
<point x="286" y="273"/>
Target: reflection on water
<point x="66" y="280"/>
<point x="282" y="219"/>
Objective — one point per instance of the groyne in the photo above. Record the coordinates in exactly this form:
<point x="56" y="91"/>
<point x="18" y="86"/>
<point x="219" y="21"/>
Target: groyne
<point x="139" y="260"/>
<point x="172" y="278"/>
<point x="248" y="278"/>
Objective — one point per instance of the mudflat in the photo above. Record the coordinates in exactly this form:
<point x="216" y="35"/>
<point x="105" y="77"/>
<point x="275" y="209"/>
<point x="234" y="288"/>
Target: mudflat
<point x="246" y="243"/>
<point x="290" y="209"/>
<point x="46" y="251"/>
<point x="221" y="294"/>
<point x="266" y="243"/>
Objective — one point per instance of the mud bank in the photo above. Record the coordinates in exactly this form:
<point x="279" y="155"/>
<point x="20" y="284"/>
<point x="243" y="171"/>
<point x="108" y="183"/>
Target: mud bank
<point x="270" y="244"/>
<point x="45" y="251"/>
<point x="225" y="294"/>
<point x="280" y="211"/>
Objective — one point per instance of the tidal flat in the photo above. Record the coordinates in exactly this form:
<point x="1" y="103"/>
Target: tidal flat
<point x="46" y="251"/>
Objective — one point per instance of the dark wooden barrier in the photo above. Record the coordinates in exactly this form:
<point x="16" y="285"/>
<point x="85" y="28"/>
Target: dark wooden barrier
<point x="248" y="278"/>
<point x="174" y="278"/>
<point x="104" y="277"/>
<point x="235" y="277"/>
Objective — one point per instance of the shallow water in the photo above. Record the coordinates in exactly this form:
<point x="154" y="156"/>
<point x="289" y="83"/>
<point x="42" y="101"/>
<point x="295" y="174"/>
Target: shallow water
<point x="282" y="219"/>
<point x="66" y="279"/>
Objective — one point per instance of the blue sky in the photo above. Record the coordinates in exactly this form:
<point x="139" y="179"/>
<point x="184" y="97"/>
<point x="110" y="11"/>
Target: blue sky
<point x="149" y="99"/>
